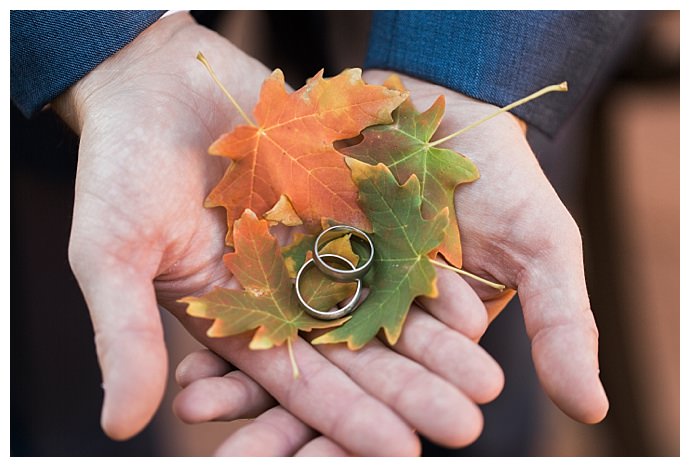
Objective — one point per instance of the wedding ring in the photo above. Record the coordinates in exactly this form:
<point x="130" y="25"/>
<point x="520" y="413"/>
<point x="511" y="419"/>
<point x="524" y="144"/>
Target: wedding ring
<point x="343" y="275"/>
<point x="328" y="315"/>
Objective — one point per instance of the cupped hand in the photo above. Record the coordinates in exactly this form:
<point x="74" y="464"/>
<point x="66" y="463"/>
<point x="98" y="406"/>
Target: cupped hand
<point x="433" y="381"/>
<point x="516" y="231"/>
<point x="146" y="116"/>
<point x="141" y="237"/>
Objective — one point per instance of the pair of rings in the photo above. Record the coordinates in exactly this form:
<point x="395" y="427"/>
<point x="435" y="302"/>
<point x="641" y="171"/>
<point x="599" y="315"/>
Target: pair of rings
<point x="352" y="274"/>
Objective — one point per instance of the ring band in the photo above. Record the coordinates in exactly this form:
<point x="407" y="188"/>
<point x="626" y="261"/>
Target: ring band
<point x="328" y="315"/>
<point x="342" y="275"/>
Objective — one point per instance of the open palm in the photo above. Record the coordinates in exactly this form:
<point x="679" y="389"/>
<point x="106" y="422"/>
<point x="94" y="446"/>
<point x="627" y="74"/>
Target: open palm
<point x="516" y="230"/>
<point x="146" y="118"/>
<point x="141" y="237"/>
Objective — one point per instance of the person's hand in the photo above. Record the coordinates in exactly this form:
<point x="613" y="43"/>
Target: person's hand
<point x="146" y="116"/>
<point x="516" y="231"/>
<point x="215" y="391"/>
<point x="141" y="236"/>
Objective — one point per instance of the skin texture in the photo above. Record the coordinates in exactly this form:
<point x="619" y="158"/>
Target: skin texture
<point x="141" y="239"/>
<point x="516" y="231"/>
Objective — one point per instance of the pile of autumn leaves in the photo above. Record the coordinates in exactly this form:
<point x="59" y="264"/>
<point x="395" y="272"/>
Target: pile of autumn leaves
<point x="286" y="169"/>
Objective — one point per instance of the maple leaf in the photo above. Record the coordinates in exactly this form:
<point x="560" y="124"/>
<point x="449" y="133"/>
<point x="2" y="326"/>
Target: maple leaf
<point x="290" y="151"/>
<point x="297" y="252"/>
<point x="401" y="269"/>
<point x="403" y="146"/>
<point x="267" y="304"/>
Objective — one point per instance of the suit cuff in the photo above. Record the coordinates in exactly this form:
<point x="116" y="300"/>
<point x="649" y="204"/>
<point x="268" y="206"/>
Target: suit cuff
<point x="501" y="56"/>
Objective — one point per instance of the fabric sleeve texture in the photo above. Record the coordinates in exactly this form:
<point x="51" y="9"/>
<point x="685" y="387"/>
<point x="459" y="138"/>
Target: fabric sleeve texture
<point x="501" y="56"/>
<point x="51" y="50"/>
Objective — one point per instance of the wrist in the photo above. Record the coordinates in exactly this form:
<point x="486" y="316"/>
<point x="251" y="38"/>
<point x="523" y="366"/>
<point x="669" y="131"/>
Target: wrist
<point x="73" y="104"/>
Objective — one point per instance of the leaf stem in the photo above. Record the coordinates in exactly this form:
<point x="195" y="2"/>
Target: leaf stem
<point x="562" y="87"/>
<point x="499" y="287"/>
<point x="293" y="362"/>
<point x="202" y="59"/>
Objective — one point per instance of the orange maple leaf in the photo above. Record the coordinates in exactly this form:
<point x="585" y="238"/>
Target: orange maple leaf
<point x="287" y="164"/>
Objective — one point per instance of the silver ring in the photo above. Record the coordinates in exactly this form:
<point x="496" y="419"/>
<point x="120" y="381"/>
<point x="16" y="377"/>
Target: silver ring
<point x="327" y="315"/>
<point x="342" y="275"/>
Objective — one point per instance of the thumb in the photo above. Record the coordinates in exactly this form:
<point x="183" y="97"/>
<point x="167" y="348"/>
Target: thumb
<point x="129" y="342"/>
<point x="562" y="330"/>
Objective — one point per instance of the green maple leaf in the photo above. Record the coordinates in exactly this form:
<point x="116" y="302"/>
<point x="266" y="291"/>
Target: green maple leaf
<point x="297" y="251"/>
<point x="268" y="303"/>
<point x="402" y="241"/>
<point x="403" y="146"/>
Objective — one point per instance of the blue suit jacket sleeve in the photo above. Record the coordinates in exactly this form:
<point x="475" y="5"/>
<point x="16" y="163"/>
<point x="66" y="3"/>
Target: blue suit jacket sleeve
<point x="51" y="50"/>
<point x="501" y="56"/>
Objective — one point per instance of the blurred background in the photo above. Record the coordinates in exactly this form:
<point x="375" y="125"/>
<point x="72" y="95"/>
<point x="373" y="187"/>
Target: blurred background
<point x="616" y="165"/>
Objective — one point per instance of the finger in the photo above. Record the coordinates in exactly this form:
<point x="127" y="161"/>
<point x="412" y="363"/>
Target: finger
<point x="436" y="408"/>
<point x="457" y="305"/>
<point x="213" y="393"/>
<point x="200" y="364"/>
<point x="563" y="333"/>
<point x="324" y="397"/>
<point x="222" y="398"/>
<point x="129" y="343"/>
<point x="274" y="433"/>
<point x="451" y="355"/>
<point x="321" y="447"/>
